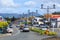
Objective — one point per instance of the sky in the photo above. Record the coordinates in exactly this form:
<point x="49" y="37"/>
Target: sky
<point x="20" y="6"/>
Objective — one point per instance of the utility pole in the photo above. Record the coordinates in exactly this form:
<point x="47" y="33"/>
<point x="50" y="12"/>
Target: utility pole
<point x="48" y="8"/>
<point x="32" y="18"/>
<point x="48" y="16"/>
<point x="26" y="20"/>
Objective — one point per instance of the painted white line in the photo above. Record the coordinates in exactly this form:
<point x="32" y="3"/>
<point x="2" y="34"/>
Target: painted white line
<point x="9" y="34"/>
<point x="3" y="35"/>
<point x="16" y="33"/>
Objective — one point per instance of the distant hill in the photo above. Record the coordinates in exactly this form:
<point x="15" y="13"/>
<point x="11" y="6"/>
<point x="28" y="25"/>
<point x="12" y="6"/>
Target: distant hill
<point x="9" y="15"/>
<point x="18" y="15"/>
<point x="30" y="14"/>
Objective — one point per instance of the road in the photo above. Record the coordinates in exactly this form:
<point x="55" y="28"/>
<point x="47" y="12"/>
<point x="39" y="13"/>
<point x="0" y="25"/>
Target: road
<point x="23" y="36"/>
<point x="17" y="35"/>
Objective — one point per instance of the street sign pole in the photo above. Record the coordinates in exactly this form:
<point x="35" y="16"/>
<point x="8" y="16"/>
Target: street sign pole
<point x="53" y="26"/>
<point x="48" y="8"/>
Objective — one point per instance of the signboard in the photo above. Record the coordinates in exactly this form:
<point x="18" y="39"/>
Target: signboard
<point x="55" y="16"/>
<point x="1" y="18"/>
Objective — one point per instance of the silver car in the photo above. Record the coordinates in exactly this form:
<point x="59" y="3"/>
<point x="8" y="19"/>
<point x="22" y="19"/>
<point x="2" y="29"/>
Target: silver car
<point x="25" y="29"/>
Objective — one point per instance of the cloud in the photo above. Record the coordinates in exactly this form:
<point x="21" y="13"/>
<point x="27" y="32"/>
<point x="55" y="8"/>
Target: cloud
<point x="51" y="4"/>
<point x="57" y="4"/>
<point x="9" y="6"/>
<point x="30" y="3"/>
<point x="9" y="10"/>
<point x="8" y="3"/>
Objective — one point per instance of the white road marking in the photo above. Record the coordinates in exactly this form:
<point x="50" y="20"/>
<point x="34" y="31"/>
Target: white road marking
<point x="16" y="33"/>
<point x="14" y="30"/>
<point x="9" y="34"/>
<point x="3" y="35"/>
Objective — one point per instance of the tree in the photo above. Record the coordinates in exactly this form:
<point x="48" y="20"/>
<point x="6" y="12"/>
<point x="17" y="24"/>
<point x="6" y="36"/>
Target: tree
<point x="47" y="16"/>
<point x="8" y="19"/>
<point x="30" y="18"/>
<point x="13" y="18"/>
<point x="3" y="24"/>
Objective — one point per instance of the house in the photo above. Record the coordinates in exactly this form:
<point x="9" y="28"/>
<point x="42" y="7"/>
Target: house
<point x="38" y="20"/>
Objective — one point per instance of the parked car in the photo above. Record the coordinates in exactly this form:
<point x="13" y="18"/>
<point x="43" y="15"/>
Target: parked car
<point x="10" y="27"/>
<point x="25" y="29"/>
<point x="35" y="24"/>
<point x="18" y="26"/>
<point x="9" y="30"/>
<point x="44" y="27"/>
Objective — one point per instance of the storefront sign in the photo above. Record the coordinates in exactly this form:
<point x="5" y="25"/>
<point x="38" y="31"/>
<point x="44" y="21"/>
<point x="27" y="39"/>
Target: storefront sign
<point x="55" y="16"/>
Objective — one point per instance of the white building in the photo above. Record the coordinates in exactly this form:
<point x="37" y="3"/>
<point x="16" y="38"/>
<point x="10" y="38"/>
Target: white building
<point x="38" y="20"/>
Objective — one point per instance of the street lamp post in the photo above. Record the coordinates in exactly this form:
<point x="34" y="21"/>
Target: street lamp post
<point x="32" y="18"/>
<point x="53" y="26"/>
<point x="26" y="19"/>
<point x="48" y="8"/>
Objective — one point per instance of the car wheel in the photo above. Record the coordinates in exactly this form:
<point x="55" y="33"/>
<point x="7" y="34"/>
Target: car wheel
<point x="10" y="32"/>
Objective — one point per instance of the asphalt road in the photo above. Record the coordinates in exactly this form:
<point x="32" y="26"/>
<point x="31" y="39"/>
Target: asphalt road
<point x="23" y="36"/>
<point x="17" y="35"/>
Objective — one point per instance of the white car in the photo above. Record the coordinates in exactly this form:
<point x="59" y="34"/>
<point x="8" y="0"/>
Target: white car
<point x="18" y="26"/>
<point x="36" y="25"/>
<point x="44" y="27"/>
<point x="25" y="29"/>
<point x="9" y="30"/>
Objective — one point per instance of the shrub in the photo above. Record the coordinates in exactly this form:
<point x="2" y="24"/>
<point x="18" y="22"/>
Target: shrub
<point x="3" y="24"/>
<point x="52" y="33"/>
<point x="38" y="31"/>
<point x="43" y="32"/>
<point x="8" y="22"/>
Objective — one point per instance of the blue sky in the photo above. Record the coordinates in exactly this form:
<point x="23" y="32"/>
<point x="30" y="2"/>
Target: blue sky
<point x="20" y="6"/>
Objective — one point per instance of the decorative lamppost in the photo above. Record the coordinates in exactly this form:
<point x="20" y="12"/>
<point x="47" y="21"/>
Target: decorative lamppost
<point x="48" y="15"/>
<point x="48" y="8"/>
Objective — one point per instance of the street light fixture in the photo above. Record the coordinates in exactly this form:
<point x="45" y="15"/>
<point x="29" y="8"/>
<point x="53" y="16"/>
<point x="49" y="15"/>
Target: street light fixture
<point x="48" y="8"/>
<point x="41" y="6"/>
<point x="54" y="6"/>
